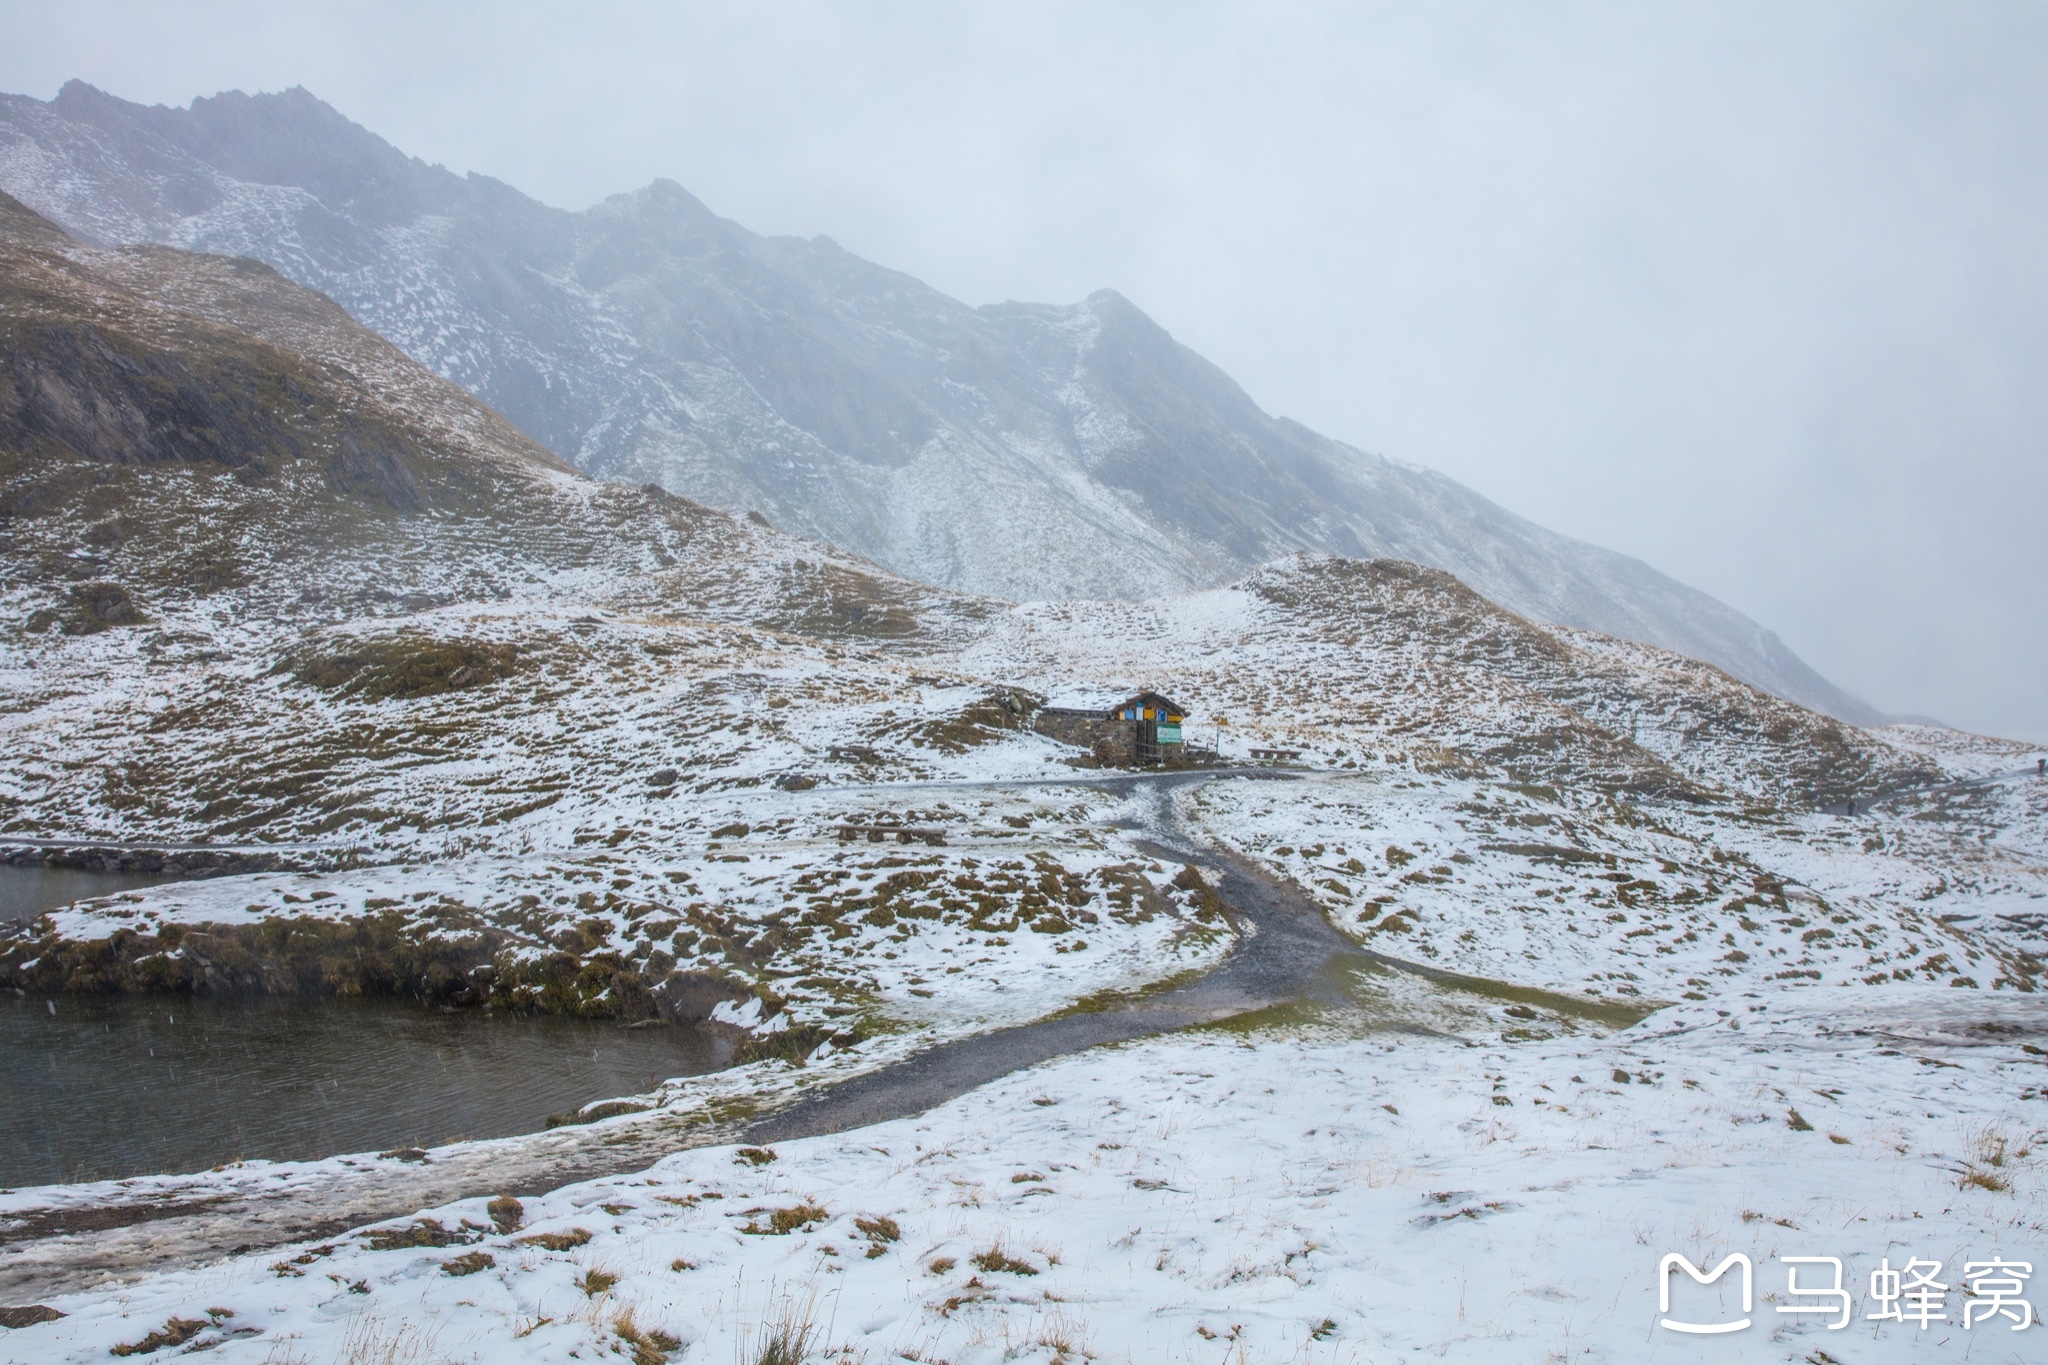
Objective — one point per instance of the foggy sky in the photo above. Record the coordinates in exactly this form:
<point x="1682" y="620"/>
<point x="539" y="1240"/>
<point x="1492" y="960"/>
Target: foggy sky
<point x="1755" y="292"/>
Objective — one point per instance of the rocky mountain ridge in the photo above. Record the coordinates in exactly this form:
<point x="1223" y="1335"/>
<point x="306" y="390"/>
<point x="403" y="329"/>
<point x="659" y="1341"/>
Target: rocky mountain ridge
<point x="199" y="437"/>
<point x="1030" y="451"/>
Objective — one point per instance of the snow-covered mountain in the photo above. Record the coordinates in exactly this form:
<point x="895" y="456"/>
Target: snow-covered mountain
<point x="1025" y="450"/>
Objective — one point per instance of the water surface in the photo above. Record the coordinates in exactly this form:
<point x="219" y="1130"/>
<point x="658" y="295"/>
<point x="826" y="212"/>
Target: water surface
<point x="28" y="890"/>
<point x="109" y="1086"/>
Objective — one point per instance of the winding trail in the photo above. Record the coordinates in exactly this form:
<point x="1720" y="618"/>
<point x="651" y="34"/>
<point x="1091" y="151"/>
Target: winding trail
<point x="1284" y="952"/>
<point x="1865" y="805"/>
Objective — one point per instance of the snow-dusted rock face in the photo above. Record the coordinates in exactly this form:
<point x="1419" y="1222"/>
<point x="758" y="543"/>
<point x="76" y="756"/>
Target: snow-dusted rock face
<point x="1024" y="450"/>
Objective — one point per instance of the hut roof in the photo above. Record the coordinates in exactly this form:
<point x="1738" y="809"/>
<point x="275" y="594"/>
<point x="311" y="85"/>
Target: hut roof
<point x="1103" y="701"/>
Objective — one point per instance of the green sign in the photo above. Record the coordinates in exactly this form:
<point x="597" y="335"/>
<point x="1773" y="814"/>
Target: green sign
<point x="1168" y="733"/>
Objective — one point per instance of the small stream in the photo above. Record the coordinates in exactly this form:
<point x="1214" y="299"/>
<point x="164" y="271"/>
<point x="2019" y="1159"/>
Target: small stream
<point x="102" y="1087"/>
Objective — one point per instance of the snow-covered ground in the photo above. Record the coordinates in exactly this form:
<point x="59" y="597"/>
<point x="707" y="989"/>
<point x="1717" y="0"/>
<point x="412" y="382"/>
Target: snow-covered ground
<point x="1320" y="1191"/>
<point x="1577" y="892"/>
<point x="552" y="742"/>
<point x="1031" y="903"/>
<point x="1846" y="1071"/>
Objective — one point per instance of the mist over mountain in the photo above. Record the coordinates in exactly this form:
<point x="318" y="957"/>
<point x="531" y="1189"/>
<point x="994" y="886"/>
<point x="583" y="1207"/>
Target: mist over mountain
<point x="194" y="437"/>
<point x="1025" y="450"/>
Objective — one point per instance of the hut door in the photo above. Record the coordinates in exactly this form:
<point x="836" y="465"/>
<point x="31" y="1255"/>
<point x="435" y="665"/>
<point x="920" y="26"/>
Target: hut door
<point x="1148" y="740"/>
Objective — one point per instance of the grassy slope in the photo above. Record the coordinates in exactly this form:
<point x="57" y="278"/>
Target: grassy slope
<point x="265" y="579"/>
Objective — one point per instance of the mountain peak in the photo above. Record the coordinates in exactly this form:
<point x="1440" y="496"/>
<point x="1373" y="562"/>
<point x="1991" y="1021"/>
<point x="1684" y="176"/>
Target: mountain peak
<point x="79" y="99"/>
<point x="659" y="204"/>
<point x="289" y="138"/>
<point x="663" y="190"/>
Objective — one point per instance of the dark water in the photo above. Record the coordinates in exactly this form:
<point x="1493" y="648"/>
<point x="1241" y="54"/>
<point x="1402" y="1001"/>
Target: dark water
<point x="116" y="1086"/>
<point x="28" y="891"/>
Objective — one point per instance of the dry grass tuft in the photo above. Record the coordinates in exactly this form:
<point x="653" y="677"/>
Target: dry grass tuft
<point x="782" y="1222"/>
<point x="1989" y="1165"/>
<point x="366" y="1342"/>
<point x="879" y="1232"/>
<point x="997" y="1261"/>
<point x="175" y="1332"/>
<point x="784" y="1338"/>
<point x="1065" y="1335"/>
<point x="594" y="1281"/>
<point x="507" y="1213"/>
<point x="557" y="1241"/>
<point x="651" y="1346"/>
<point x="424" y="1232"/>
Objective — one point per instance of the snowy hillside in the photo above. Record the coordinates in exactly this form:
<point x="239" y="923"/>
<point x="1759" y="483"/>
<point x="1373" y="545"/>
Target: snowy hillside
<point x="1577" y="971"/>
<point x="1022" y="450"/>
<point x="268" y="581"/>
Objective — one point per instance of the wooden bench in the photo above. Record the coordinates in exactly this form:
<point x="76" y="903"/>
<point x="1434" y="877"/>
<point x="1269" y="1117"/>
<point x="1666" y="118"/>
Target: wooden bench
<point x="1276" y="753"/>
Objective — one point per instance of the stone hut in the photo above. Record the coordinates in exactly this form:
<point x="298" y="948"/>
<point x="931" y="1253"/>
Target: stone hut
<point x="1119" y="729"/>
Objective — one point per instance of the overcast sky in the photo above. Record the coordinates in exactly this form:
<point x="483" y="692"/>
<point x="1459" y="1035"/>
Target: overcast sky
<point x="1758" y="293"/>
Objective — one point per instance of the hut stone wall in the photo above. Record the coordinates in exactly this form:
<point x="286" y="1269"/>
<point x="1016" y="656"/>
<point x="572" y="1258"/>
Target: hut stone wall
<point x="1111" y="741"/>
